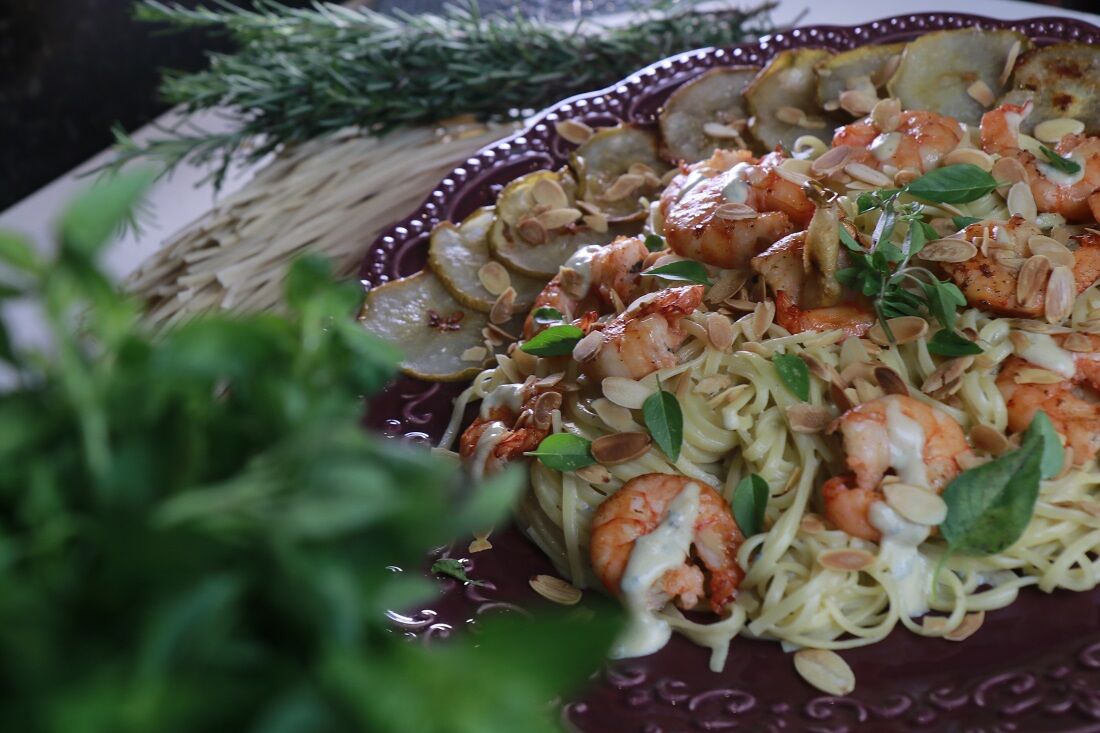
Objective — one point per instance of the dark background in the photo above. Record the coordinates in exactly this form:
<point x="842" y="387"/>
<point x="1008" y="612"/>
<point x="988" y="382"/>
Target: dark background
<point x="69" y="69"/>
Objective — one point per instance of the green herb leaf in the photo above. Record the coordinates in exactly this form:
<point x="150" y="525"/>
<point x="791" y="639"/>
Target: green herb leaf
<point x="943" y="301"/>
<point x="962" y="222"/>
<point x="849" y="241"/>
<point x="794" y="373"/>
<point x="547" y="315"/>
<point x="89" y="221"/>
<point x="454" y="568"/>
<point x="682" y="270"/>
<point x="17" y="252"/>
<point x="654" y="242"/>
<point x="554" y="341"/>
<point x="930" y="233"/>
<point x="989" y="506"/>
<point x="1064" y="165"/>
<point x="750" y="499"/>
<point x="914" y="239"/>
<point x="953" y="184"/>
<point x="665" y="422"/>
<point x="564" y="452"/>
<point x="952" y="343"/>
<point x="1053" y="454"/>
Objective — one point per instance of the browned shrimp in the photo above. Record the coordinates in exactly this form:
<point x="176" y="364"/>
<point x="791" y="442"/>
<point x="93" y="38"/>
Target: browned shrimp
<point x="711" y="572"/>
<point x="921" y="444"/>
<point x="918" y="143"/>
<point x="513" y="420"/>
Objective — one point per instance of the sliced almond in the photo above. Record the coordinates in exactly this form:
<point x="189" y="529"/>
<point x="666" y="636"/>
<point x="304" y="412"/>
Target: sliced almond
<point x="1035" y="375"/>
<point x="1010" y="62"/>
<point x="760" y="320"/>
<point x="948" y="250"/>
<point x="915" y="504"/>
<point x="544" y="408"/>
<point x="624" y="186"/>
<point x="503" y="307"/>
<point x="867" y="174"/>
<point x="726" y="285"/>
<point x="733" y="211"/>
<point x="479" y="544"/>
<point x="694" y="329"/>
<point x="719" y="131"/>
<point x="1008" y="171"/>
<point x="1032" y="279"/>
<point x="971" y="156"/>
<point x="846" y="559"/>
<point x="811" y="524"/>
<point x="615" y="416"/>
<point x="549" y="193"/>
<point x="596" y="222"/>
<point x="906" y="176"/>
<point x="808" y="418"/>
<point x="831" y="160"/>
<point x="1079" y="342"/>
<point x="1052" y="131"/>
<point x="825" y="670"/>
<point x="475" y="353"/>
<point x="555" y="589"/>
<point x="1061" y="289"/>
<point x="904" y="328"/>
<point x="588" y="347"/>
<point x="1052" y="249"/>
<point x="980" y="92"/>
<point x="1021" y="202"/>
<point x="970" y="624"/>
<point x="713" y="384"/>
<point x="558" y="218"/>
<point x="611" y="450"/>
<point x="989" y="439"/>
<point x="890" y="381"/>
<point x="840" y="397"/>
<point x="595" y="474"/>
<point x="822" y="371"/>
<point x="886" y="115"/>
<point x="857" y="102"/>
<point x="573" y="283"/>
<point x="494" y="277"/>
<point x="574" y="131"/>
<point x="531" y="230"/>
<point x="719" y="331"/>
<point x="788" y="173"/>
<point x="626" y="392"/>
<point x="947" y="375"/>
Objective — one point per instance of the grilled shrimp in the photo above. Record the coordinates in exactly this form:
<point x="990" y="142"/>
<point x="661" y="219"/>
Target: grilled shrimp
<point x="501" y="433"/>
<point x="1074" y="196"/>
<point x="1073" y="405"/>
<point x="736" y="209"/>
<point x="919" y="142"/>
<point x="644" y="337"/>
<point x="614" y="267"/>
<point x="990" y="281"/>
<point x="711" y="572"/>
<point x="920" y="444"/>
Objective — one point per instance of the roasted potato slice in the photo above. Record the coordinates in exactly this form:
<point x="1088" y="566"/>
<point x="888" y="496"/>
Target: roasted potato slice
<point x="863" y="70"/>
<point x="534" y="243"/>
<point x="956" y="73"/>
<point x="783" y="99"/>
<point x="433" y="331"/>
<point x="603" y="163"/>
<point x="1062" y="81"/>
<point x="458" y="253"/>
<point x="707" y="113"/>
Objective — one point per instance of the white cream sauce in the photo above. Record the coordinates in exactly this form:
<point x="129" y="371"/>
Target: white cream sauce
<point x="900" y="555"/>
<point x="663" y="549"/>
<point x="736" y="191"/>
<point x="1041" y="350"/>
<point x="494" y="432"/>
<point x="506" y="395"/>
<point x="581" y="262"/>
<point x="906" y="439"/>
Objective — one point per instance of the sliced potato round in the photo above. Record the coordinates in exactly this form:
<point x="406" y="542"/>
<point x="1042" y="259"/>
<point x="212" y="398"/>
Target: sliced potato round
<point x="438" y="337"/>
<point x="615" y="168"/>
<point x="956" y="73"/>
<point x="706" y="114"/>
<point x="457" y="255"/>
<point x="538" y="251"/>
<point x="1062" y="81"/>
<point x="783" y="99"/>
<point x="850" y="70"/>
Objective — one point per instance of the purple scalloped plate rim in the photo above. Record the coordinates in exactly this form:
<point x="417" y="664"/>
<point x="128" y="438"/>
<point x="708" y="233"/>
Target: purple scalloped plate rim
<point x="1034" y="666"/>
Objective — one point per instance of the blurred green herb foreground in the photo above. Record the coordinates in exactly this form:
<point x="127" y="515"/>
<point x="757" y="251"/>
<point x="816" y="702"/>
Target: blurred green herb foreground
<point x="194" y="529"/>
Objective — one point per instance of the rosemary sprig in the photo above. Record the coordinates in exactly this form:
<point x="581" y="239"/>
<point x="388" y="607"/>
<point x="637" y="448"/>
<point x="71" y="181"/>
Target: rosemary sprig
<point x="302" y="73"/>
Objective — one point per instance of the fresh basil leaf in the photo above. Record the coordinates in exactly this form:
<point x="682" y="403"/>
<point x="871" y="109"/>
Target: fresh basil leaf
<point x="654" y="242"/>
<point x="564" y="452"/>
<point x="1050" y="465"/>
<point x="849" y="241"/>
<point x="546" y="315"/>
<point x="952" y="343"/>
<point x="962" y="222"/>
<point x="953" y="184"/>
<point x="941" y="302"/>
<point x="1057" y="162"/>
<point x="554" y="341"/>
<point x="682" y="270"/>
<point x="454" y="568"/>
<point x="865" y="202"/>
<point x="794" y="373"/>
<point x="989" y="506"/>
<point x="889" y="252"/>
<point x="930" y="233"/>
<point x="750" y="500"/>
<point x="665" y="422"/>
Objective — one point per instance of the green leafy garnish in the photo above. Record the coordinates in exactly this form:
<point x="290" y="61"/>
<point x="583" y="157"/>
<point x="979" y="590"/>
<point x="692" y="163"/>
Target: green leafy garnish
<point x="665" y="422"/>
<point x="554" y="341"/>
<point x="990" y="506"/>
<point x="951" y="343"/>
<point x="962" y="222"/>
<point x="1057" y="162"/>
<point x="750" y="499"/>
<point x="681" y="270"/>
<point x="454" y="568"/>
<point x="1050" y="465"/>
<point x="953" y="184"/>
<point x="547" y="315"/>
<point x="654" y="242"/>
<point x="564" y="452"/>
<point x="794" y="373"/>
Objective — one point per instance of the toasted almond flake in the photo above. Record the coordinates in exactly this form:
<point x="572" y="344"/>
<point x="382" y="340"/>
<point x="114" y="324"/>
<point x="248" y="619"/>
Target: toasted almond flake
<point x="588" y="207"/>
<point x="1032" y="279"/>
<point x="611" y="450"/>
<point x="1010" y="63"/>
<point x="475" y="353"/>
<point x="626" y="392"/>
<point x="1052" y="131"/>
<point x="544" y="408"/>
<point x="614" y="416"/>
<point x="904" y="328"/>
<point x="970" y="624"/>
<point x="616" y="301"/>
<point x="1020" y="201"/>
<point x="980" y="92"/>
<point x="1060" y="293"/>
<point x="713" y="384"/>
<point x="857" y="370"/>
<point x="1079" y="342"/>
<point x="727" y="283"/>
<point x="989" y="439"/>
<point x="886" y="114"/>
<point x="588" y="347"/>
<point x="852" y="350"/>
<point x="480" y="544"/>
<point x="846" y="559"/>
<point x="867" y="174"/>
<point x="503" y="307"/>
<point x="733" y="211"/>
<point x="817" y="368"/>
<point x="857" y="102"/>
<point x="1092" y="508"/>
<point x="558" y="218"/>
<point x="624" y="186"/>
<point x="808" y="418"/>
<point x="494" y="277"/>
<point x="825" y="670"/>
<point x="531" y="230"/>
<point x="694" y="329"/>
<point x="595" y="474"/>
<point x="840" y="398"/>
<point x="831" y="160"/>
<point x="574" y="131"/>
<point x="719" y="331"/>
<point x="555" y="589"/>
<point x="1029" y="375"/>
<point x="721" y="132"/>
<point x="757" y="325"/>
<point x="549" y="193"/>
<point x="790" y="174"/>
<point x="971" y="156"/>
<point x="947" y="375"/>
<point x="948" y="250"/>
<point x="1008" y="171"/>
<point x="811" y="523"/>
<point x="1032" y="327"/>
<point x="915" y="504"/>
<point x="596" y="222"/>
<point x="890" y="381"/>
<point x="572" y="282"/>
<point x="1052" y="249"/>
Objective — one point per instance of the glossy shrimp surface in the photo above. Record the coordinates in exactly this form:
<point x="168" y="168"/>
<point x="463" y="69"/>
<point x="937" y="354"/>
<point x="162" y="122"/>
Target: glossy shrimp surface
<point x="500" y="434"/>
<point x="709" y="573"/>
<point x="919" y="444"/>
<point x="698" y="226"/>
<point x="919" y="142"/>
